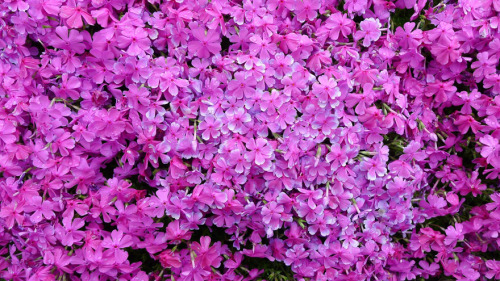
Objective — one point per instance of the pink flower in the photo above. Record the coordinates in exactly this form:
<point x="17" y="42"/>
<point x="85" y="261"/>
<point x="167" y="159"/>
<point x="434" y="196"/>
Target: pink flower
<point x="295" y="254"/>
<point x="117" y="241"/>
<point x="262" y="46"/>
<point x="69" y="232"/>
<point x="51" y="7"/>
<point x="68" y="40"/>
<point x="59" y="258"/>
<point x="136" y="39"/>
<point x="446" y="51"/>
<point x="170" y="259"/>
<point x="206" y="255"/>
<point x="339" y="24"/>
<point x="210" y="127"/>
<point x="75" y="14"/>
<point x="205" y="43"/>
<point x="12" y="213"/>
<point x="68" y="87"/>
<point x="62" y="142"/>
<point x="41" y="209"/>
<point x="242" y="86"/>
<point x="491" y="150"/>
<point x="494" y="269"/>
<point x="374" y="167"/>
<point x="306" y="10"/>
<point x="272" y="215"/>
<point x="369" y="31"/>
<point x="464" y="122"/>
<point x="409" y="38"/>
<point x="260" y="151"/>
<point x="282" y="65"/>
<point x="176" y="234"/>
<point x="484" y="66"/>
<point x="453" y="234"/>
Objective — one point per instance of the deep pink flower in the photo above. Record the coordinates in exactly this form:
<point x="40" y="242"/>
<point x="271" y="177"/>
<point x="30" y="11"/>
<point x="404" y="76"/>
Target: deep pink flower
<point x="369" y="31"/>
<point x="453" y="234"/>
<point x="40" y="209"/>
<point x="206" y="43"/>
<point x="117" y="241"/>
<point x="170" y="259"/>
<point x="210" y="127"/>
<point x="12" y="213"/>
<point x="260" y="150"/>
<point x="409" y="38"/>
<point x="176" y="234"/>
<point x="242" y="86"/>
<point x="74" y="15"/>
<point x="69" y="232"/>
<point x="61" y="141"/>
<point x="68" y="40"/>
<point x="446" y="50"/>
<point x="339" y="24"/>
<point x="135" y="40"/>
<point x="374" y="167"/>
<point x="206" y="255"/>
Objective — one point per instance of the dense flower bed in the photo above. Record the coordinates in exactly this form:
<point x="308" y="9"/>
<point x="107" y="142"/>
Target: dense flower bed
<point x="249" y="140"/>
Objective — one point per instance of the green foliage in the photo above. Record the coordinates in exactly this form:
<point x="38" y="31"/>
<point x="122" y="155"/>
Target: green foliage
<point x="401" y="16"/>
<point x="148" y="263"/>
<point x="273" y="271"/>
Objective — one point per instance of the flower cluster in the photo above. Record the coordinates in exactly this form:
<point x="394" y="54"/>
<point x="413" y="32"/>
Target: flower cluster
<point x="199" y="140"/>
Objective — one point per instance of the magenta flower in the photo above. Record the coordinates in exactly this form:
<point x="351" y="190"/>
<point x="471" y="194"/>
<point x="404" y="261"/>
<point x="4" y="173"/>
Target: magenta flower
<point x="40" y="209"/>
<point x="117" y="241"/>
<point x="206" y="255"/>
<point x="68" y="40"/>
<point x="294" y="255"/>
<point x="68" y="87"/>
<point x="242" y="86"/>
<point x="374" y="168"/>
<point x="12" y="213"/>
<point x="176" y="234"/>
<point x="260" y="151"/>
<point x="8" y="130"/>
<point x="339" y="24"/>
<point x="484" y="66"/>
<point x="491" y="150"/>
<point x="135" y="40"/>
<point x="62" y="142"/>
<point x="206" y="43"/>
<point x="273" y="215"/>
<point x="69" y="232"/>
<point x="453" y="234"/>
<point x="282" y="65"/>
<point x="262" y="46"/>
<point x="446" y="50"/>
<point x="306" y="10"/>
<point x="170" y="259"/>
<point x="59" y="258"/>
<point x="75" y="15"/>
<point x="51" y="7"/>
<point x="409" y="38"/>
<point x="494" y="269"/>
<point x="369" y="31"/>
<point x="179" y="140"/>
<point x="210" y="127"/>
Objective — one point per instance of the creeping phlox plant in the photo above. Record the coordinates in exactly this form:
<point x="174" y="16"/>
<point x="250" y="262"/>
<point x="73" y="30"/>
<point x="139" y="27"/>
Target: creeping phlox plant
<point x="195" y="140"/>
